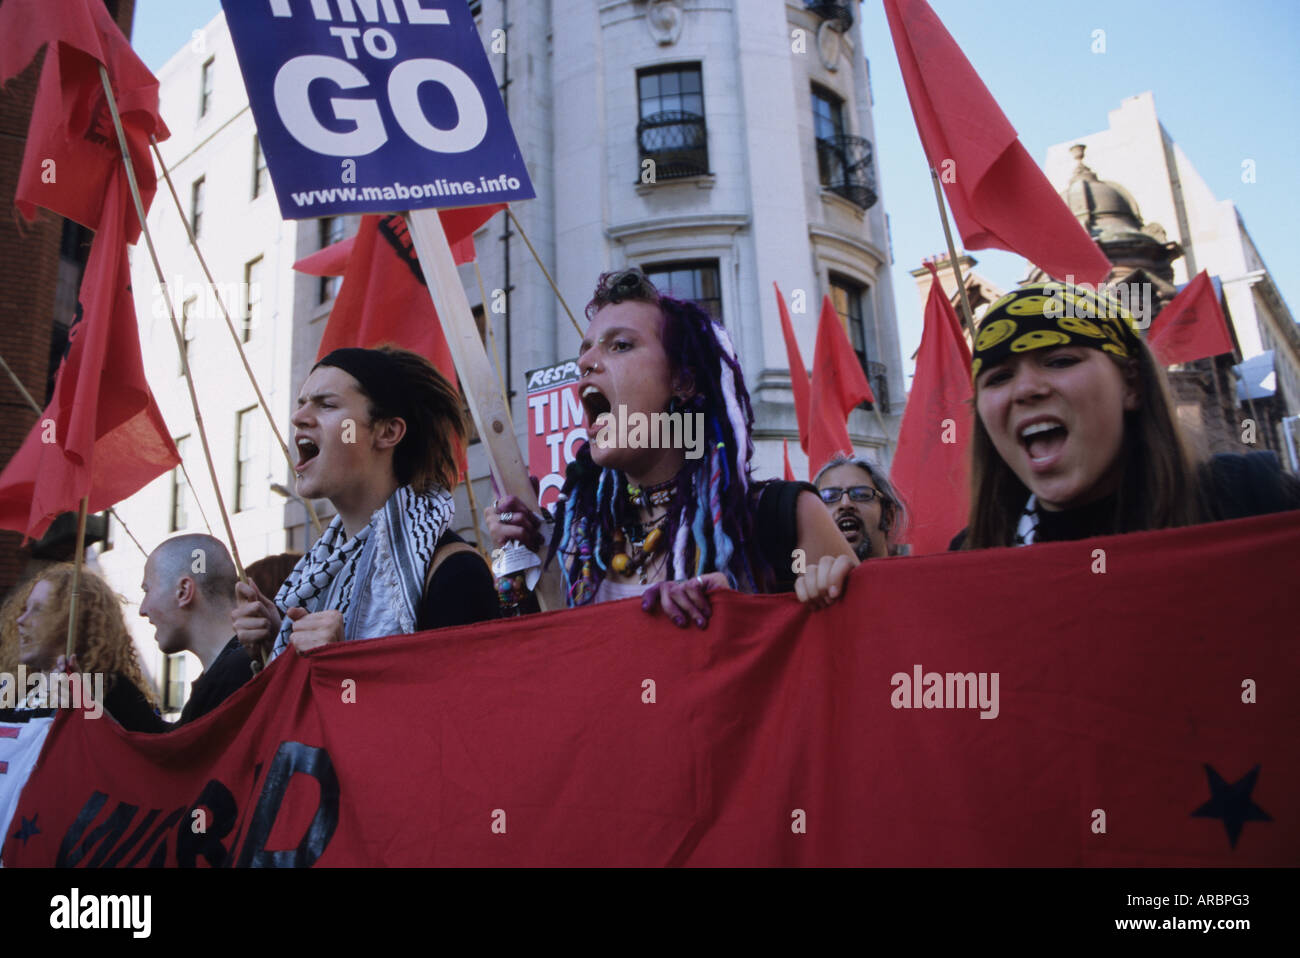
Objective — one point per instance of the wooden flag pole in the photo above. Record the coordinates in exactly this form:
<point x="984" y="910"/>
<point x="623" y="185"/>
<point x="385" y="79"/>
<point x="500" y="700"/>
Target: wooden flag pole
<point x="202" y="512"/>
<point x="171" y="312"/>
<point x="952" y="258"/>
<point x="519" y="226"/>
<point x="37" y="409"/>
<point x="486" y="405"/>
<point x="230" y="325"/>
<point x="76" y="578"/>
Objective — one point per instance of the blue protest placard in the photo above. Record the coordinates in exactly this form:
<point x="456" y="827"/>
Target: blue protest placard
<point x="369" y="106"/>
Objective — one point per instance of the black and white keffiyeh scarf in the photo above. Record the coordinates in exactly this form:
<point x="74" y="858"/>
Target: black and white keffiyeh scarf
<point x="375" y="578"/>
<point x="1027" y="529"/>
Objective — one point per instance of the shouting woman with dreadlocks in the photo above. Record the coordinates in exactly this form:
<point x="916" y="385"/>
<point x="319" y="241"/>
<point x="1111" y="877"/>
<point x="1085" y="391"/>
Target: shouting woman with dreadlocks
<point x="672" y="524"/>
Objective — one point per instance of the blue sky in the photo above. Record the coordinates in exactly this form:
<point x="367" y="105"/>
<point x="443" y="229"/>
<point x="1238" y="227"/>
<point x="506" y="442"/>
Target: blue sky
<point x="1225" y="76"/>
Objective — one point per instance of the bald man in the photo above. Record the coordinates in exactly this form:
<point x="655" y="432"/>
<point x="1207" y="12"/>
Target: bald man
<point x="189" y="590"/>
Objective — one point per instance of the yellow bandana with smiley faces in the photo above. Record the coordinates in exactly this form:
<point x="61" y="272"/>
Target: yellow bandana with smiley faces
<point x="1044" y="315"/>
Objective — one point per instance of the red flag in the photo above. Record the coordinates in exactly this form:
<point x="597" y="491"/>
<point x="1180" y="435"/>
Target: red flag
<point x="384" y="298"/>
<point x="72" y="152"/>
<point x="102" y="434"/>
<point x="841" y="385"/>
<point x="999" y="196"/>
<point x="798" y="372"/>
<point x="1191" y="327"/>
<point x="785" y="452"/>
<point x="930" y="467"/>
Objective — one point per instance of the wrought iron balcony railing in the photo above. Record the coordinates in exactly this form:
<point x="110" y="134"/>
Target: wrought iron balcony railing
<point x="677" y="142"/>
<point x="845" y="166"/>
<point x="838" y="14"/>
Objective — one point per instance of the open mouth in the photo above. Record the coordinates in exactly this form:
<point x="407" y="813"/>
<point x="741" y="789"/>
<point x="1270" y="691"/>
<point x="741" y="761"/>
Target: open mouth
<point x="307" y="451"/>
<point x="594" y="403"/>
<point x="1043" y="440"/>
<point x="850" y="526"/>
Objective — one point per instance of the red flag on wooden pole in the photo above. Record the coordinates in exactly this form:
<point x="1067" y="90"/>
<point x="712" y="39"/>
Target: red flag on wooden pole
<point x="72" y="154"/>
<point x="930" y="467"/>
<point x="840" y="386"/>
<point x="999" y="196"/>
<point x="102" y="435"/>
<point x="798" y="372"/>
<point x="785" y="453"/>
<point x="384" y="297"/>
<point x="1192" y="326"/>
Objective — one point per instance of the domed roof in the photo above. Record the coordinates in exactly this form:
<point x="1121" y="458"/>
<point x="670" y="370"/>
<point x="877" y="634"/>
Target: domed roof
<point x="1102" y="206"/>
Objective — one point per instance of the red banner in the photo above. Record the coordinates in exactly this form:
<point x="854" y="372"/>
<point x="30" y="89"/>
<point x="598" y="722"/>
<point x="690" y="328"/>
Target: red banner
<point x="1131" y="701"/>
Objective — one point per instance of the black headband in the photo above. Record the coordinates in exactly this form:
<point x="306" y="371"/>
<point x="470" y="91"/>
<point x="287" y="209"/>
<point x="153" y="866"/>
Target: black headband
<point x="379" y="376"/>
<point x="1044" y="315"/>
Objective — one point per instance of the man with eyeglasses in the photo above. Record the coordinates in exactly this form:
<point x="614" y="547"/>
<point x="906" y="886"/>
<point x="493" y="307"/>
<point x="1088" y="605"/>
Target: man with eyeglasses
<point x="866" y="508"/>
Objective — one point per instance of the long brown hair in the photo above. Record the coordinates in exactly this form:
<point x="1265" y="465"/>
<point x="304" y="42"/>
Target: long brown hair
<point x="102" y="642"/>
<point x="1158" y="487"/>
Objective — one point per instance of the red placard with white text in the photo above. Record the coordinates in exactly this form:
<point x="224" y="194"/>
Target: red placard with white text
<point x="555" y="426"/>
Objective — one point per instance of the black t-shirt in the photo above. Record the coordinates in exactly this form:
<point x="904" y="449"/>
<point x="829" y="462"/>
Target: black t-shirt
<point x="777" y="526"/>
<point x="1235" y="485"/>
<point x="127" y="704"/>
<point x="462" y="591"/>
<point x="229" y="671"/>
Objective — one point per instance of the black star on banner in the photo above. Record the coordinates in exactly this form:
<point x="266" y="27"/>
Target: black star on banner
<point x="1232" y="803"/>
<point x="27" y="829"/>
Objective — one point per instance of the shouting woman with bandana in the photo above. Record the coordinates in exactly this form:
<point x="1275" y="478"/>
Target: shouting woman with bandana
<point x="376" y="432"/>
<point x="1075" y="434"/>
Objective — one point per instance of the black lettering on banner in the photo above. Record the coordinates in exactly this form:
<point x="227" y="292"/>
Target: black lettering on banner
<point x="291" y="758"/>
<point x="119" y="853"/>
<point x="217" y="799"/>
<point x="107" y="833"/>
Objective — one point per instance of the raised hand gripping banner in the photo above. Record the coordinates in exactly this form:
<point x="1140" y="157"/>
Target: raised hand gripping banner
<point x="1129" y="700"/>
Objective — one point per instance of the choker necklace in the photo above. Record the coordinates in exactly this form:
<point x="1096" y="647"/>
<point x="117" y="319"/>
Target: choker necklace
<point x="660" y="494"/>
<point x="639" y="556"/>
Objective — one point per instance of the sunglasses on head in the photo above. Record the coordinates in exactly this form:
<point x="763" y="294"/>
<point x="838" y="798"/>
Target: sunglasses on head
<point x="856" y="494"/>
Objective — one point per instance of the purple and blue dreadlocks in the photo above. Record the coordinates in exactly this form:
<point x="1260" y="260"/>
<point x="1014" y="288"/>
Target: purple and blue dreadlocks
<point x="710" y="523"/>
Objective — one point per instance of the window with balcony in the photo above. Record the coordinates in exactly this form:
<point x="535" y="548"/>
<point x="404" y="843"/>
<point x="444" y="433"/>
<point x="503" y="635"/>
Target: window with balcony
<point x="852" y="301"/>
<point x="844" y="163"/>
<point x="671" y="131"/>
<point x="696" y="281"/>
<point x="838" y="13"/>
